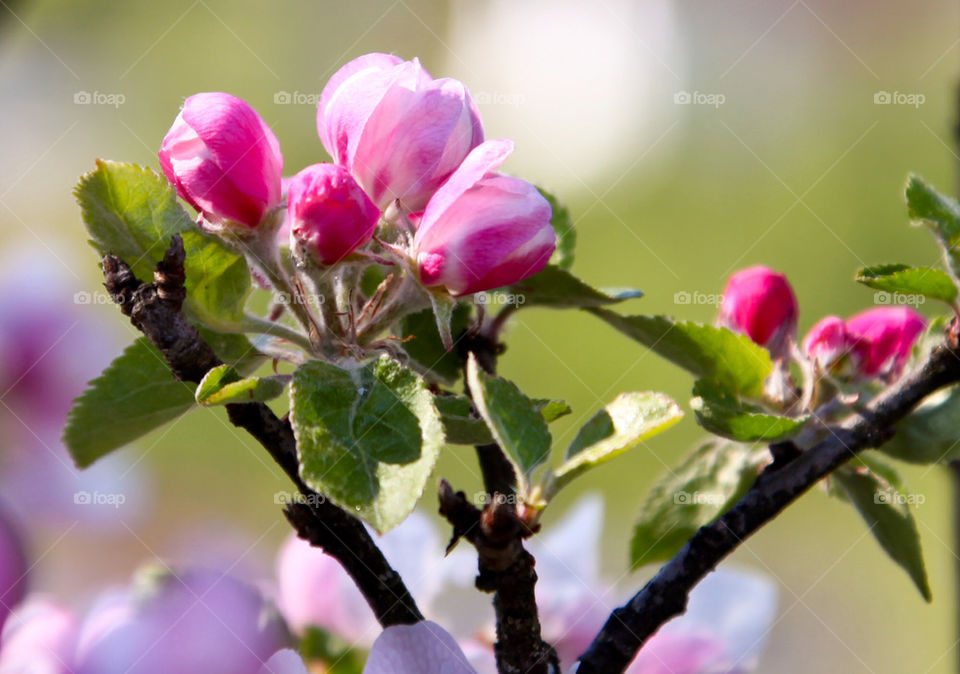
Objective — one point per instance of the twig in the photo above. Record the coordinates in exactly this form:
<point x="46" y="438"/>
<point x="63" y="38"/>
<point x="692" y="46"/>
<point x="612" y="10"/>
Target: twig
<point x="507" y="570"/>
<point x="154" y="309"/>
<point x="665" y="596"/>
<point x="504" y="567"/>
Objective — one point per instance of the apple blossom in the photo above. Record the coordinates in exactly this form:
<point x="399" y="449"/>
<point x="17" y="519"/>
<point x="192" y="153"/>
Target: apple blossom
<point x="400" y="132"/>
<point x="329" y="213"/>
<point x="483" y="230"/>
<point x="223" y="159"/>
<point x="760" y="303"/>
<point x="827" y="341"/>
<point x="881" y="339"/>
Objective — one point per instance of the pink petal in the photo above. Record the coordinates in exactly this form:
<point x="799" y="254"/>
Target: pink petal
<point x="416" y="649"/>
<point x="375" y="62"/>
<point x="484" y="158"/>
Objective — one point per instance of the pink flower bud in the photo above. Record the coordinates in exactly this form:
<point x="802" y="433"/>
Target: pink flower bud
<point x="400" y="132"/>
<point x="483" y="230"/>
<point x="223" y="159"/>
<point x="760" y="303"/>
<point x="882" y="339"/>
<point x="329" y="212"/>
<point x="827" y="341"/>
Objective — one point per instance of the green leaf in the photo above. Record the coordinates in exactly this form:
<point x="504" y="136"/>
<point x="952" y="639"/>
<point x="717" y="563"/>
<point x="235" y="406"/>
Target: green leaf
<point x="513" y="419"/>
<point x="886" y="510"/>
<point x="940" y="213"/>
<point x="423" y="344"/>
<point x="905" y="280"/>
<point x="931" y="433"/>
<point x="711" y="480"/>
<point x="338" y="656"/>
<point x="551" y="410"/>
<point x="133" y="396"/>
<point x="132" y="212"/>
<point x="621" y="425"/>
<point x="461" y="427"/>
<point x="722" y="414"/>
<point x="368" y="437"/>
<point x="224" y="385"/>
<point x="443" y="307"/>
<point x="137" y="394"/>
<point x="566" y="234"/>
<point x="218" y="281"/>
<point x="559" y="289"/>
<point x="731" y="361"/>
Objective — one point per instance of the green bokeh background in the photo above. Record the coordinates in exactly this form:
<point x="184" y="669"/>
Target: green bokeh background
<point x="799" y="169"/>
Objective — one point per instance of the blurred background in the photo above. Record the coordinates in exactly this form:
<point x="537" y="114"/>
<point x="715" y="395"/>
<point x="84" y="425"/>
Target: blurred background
<point x="689" y="139"/>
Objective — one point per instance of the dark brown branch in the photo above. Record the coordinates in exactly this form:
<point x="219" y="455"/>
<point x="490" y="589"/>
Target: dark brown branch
<point x="665" y="596"/>
<point x="504" y="567"/>
<point x="154" y="308"/>
<point x="507" y="570"/>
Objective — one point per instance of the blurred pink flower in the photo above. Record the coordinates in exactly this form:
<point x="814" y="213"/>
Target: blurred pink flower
<point x="827" y="341"/>
<point x="329" y="213"/>
<point x="223" y="159"/>
<point x="315" y="591"/>
<point x="729" y="615"/>
<point x="882" y="339"/>
<point x="760" y="303"/>
<point x="13" y="566"/>
<point x="200" y="621"/>
<point x="52" y="342"/>
<point x="286" y="661"/>
<point x="40" y="638"/>
<point x="416" y="649"/>
<point x="400" y="132"/>
<point x="483" y="230"/>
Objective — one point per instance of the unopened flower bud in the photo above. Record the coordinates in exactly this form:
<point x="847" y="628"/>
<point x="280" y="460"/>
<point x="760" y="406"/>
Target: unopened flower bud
<point x="223" y="159"/>
<point x="760" y="303"/>
<point x="330" y="215"/>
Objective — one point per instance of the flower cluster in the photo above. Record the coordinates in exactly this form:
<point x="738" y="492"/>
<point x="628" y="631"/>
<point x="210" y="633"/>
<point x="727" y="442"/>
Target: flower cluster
<point x="874" y="344"/>
<point x="413" y="183"/>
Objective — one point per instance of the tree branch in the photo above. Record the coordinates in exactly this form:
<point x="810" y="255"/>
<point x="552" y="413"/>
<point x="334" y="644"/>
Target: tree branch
<point x="665" y="596"/>
<point x="154" y="309"/>
<point x="504" y="567"/>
